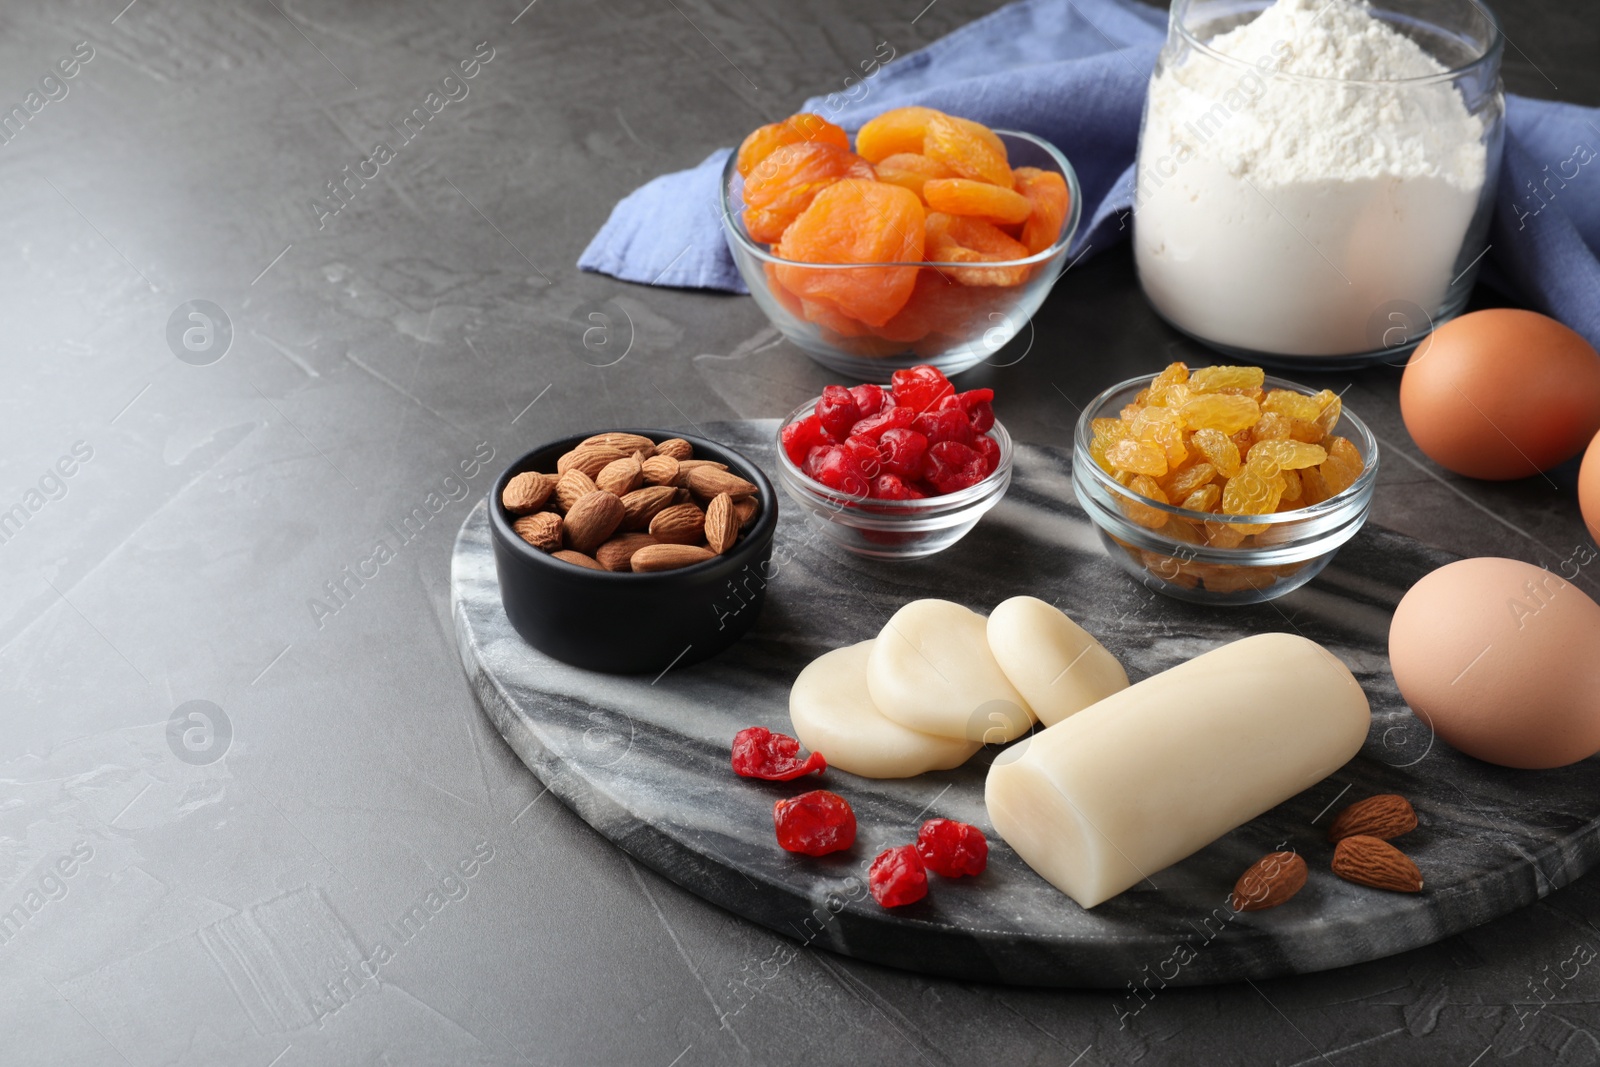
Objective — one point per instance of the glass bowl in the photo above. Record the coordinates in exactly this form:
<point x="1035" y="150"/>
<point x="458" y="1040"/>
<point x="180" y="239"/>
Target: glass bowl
<point x="892" y="529"/>
<point x="1189" y="555"/>
<point x="1240" y="240"/>
<point x="946" y="325"/>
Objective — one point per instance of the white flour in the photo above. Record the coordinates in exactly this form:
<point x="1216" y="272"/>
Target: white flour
<point x="1281" y="213"/>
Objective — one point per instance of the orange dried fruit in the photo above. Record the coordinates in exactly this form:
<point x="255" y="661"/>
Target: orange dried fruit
<point x="956" y="239"/>
<point x="830" y="318"/>
<point x="856" y="221"/>
<point x="789" y="179"/>
<point x="896" y="132"/>
<point x="910" y="169"/>
<point x="793" y="130"/>
<point x="969" y="149"/>
<point x="1048" y="201"/>
<point x="963" y="196"/>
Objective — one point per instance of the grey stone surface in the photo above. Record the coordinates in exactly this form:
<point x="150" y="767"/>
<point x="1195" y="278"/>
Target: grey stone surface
<point x="645" y="761"/>
<point x="236" y="887"/>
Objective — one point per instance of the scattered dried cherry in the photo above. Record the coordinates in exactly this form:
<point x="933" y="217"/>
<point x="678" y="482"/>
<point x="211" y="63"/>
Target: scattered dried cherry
<point x="814" y="823"/>
<point x="896" y="877"/>
<point x="951" y="849"/>
<point x="760" y="753"/>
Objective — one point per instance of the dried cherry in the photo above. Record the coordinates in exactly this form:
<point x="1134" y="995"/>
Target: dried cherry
<point x="814" y="823"/>
<point x="760" y="753"/>
<point x="951" y="849"/>
<point x="897" y="878"/>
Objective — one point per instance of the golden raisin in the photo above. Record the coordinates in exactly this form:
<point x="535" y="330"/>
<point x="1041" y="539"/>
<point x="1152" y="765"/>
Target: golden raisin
<point x="1219" y="448"/>
<point x="1205" y="498"/>
<point x="1215" y="379"/>
<point x="1143" y="514"/>
<point x="1137" y="456"/>
<point x="1229" y="414"/>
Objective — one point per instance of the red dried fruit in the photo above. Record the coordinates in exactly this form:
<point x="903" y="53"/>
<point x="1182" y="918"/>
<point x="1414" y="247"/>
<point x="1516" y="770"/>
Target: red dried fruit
<point x="896" y="877"/>
<point x="801" y="436"/>
<point x="952" y="849"/>
<point x="901" y="452"/>
<point x="838" y="469"/>
<point x="869" y="398"/>
<point x="946" y="424"/>
<point x="979" y="405"/>
<point x="814" y="823"/>
<point x="837" y="410"/>
<point x="893" y="487"/>
<point x="989" y="449"/>
<point x="951" y="466"/>
<point x="760" y="753"/>
<point x="890" y="418"/>
<point x="920" y="388"/>
<point x="864" y="450"/>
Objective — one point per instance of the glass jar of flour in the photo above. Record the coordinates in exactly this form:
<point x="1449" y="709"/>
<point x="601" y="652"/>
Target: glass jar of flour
<point x="1315" y="177"/>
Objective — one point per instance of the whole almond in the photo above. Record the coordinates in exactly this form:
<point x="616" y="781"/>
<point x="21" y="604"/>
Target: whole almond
<point x="747" y="510"/>
<point x="709" y="481"/>
<point x="660" y="470"/>
<point x="615" y="553"/>
<point x="571" y="487"/>
<point x="577" y="558"/>
<point x="1270" y="881"/>
<point x="542" y="530"/>
<point x="621" y="476"/>
<point x="676" y="447"/>
<point x="722" y="525"/>
<point x="527" y="492"/>
<point x="642" y="505"/>
<point x="681" y="524"/>
<point x="1374" y="862"/>
<point x="687" y="465"/>
<point x="668" y="557"/>
<point x="1385" y="816"/>
<point x="590" y="459"/>
<point x="591" y="521"/>
<point x="626" y="443"/>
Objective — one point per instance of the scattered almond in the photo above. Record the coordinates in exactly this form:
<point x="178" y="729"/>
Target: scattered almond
<point x="542" y="530"/>
<point x="590" y="459"/>
<point x="591" y="521"/>
<point x="660" y="470"/>
<point x="668" y="557"/>
<point x="577" y="558"/>
<point x="709" y="481"/>
<point x="1376" y="863"/>
<point x="626" y="443"/>
<point x="621" y="476"/>
<point x="676" y="447"/>
<point x="722" y="525"/>
<point x="615" y="553"/>
<point x="571" y="487"/>
<point x="1385" y="816"/>
<point x="527" y="492"/>
<point x="1270" y="881"/>
<point x="642" y="505"/>
<point x="681" y="524"/>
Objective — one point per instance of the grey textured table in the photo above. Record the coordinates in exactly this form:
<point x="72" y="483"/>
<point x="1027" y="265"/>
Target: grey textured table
<point x="334" y="858"/>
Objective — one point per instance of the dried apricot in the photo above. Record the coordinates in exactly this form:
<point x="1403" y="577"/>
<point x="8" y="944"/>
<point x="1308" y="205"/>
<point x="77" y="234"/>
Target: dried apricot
<point x="830" y="318"/>
<point x="963" y="196"/>
<point x="910" y="169"/>
<point x="968" y="148"/>
<point x="792" y="130"/>
<point x="789" y="179"/>
<point x="856" y="221"/>
<point x="955" y="239"/>
<point x="895" y="132"/>
<point x="1048" y="201"/>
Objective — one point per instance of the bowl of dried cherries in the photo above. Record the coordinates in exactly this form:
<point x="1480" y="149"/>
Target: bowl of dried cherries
<point x="895" y="471"/>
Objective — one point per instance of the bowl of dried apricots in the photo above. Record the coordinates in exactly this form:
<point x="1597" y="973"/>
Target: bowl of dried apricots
<point x="931" y="241"/>
<point x="1222" y="485"/>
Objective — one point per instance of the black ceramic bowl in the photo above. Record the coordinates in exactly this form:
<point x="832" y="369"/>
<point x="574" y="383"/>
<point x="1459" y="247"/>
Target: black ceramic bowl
<point x="626" y="623"/>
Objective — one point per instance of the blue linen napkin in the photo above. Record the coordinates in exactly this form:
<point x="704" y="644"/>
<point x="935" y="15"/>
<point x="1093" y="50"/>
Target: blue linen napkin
<point x="1075" y="72"/>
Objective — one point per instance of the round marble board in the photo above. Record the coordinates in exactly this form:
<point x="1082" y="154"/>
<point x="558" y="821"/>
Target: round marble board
<point x="645" y="762"/>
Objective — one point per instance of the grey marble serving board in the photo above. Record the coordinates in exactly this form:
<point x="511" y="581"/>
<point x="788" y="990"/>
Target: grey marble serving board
<point x="645" y="762"/>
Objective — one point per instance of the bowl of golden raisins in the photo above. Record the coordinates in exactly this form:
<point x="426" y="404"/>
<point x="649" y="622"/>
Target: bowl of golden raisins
<point x="1222" y="485"/>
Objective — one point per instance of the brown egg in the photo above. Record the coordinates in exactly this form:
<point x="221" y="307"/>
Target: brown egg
<point x="1589" y="488"/>
<point x="1502" y="660"/>
<point x="1502" y="394"/>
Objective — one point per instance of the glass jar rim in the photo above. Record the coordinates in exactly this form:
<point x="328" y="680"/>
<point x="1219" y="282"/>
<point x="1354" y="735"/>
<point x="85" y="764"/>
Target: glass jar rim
<point x="1491" y="53"/>
<point x="1069" y="229"/>
<point x="1362" y="487"/>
